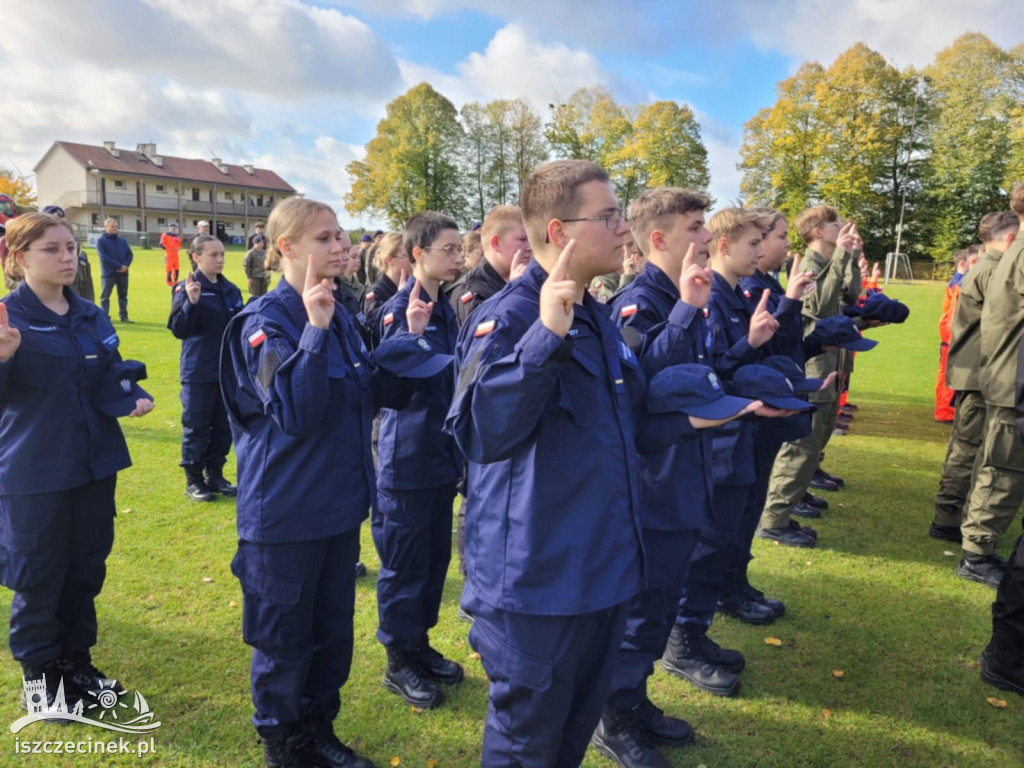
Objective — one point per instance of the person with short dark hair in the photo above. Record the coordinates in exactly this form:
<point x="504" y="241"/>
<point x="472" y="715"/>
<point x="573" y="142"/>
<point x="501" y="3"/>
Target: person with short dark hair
<point x="257" y="231"/>
<point x="115" y="259"/>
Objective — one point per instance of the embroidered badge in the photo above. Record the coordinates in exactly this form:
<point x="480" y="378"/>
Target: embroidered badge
<point x="484" y="328"/>
<point x="423" y="343"/>
<point x="126" y="386"/>
<point x="746" y="293"/>
<point x="111" y="341"/>
<point x="389" y="318"/>
<point x="369" y="296"/>
<point x="257" y="338"/>
<point x="628" y="311"/>
<point x="466" y="297"/>
<point x="714" y="382"/>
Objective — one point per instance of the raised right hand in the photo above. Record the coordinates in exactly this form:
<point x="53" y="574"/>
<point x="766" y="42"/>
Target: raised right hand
<point x="10" y="337"/>
<point x="762" y="324"/>
<point x="317" y="298"/>
<point x="694" y="280"/>
<point x="192" y="288"/>
<point x="558" y="294"/>
<point x="518" y="266"/>
<point x="847" y="238"/>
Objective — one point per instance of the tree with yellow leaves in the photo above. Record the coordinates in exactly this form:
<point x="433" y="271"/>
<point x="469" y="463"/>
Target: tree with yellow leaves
<point x="17" y="189"/>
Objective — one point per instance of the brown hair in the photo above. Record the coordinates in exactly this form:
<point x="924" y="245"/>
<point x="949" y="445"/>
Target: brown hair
<point x="550" y="192"/>
<point x="22" y="232"/>
<point x="199" y="242"/>
<point x="471" y="241"/>
<point x="388" y="246"/>
<point x="767" y="217"/>
<point x="730" y="223"/>
<point x="813" y="218"/>
<point x="1017" y="199"/>
<point x="997" y="225"/>
<point x="655" y="208"/>
<point x="290" y="218"/>
<point x="499" y="220"/>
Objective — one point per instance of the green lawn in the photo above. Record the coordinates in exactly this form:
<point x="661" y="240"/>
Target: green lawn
<point x="877" y="599"/>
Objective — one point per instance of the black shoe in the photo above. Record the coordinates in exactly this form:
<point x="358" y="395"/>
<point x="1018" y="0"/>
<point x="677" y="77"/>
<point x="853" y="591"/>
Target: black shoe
<point x="126" y="320"/>
<point x="741" y="607"/>
<point x="683" y="658"/>
<point x="851" y="407"/>
<point x="215" y="481"/>
<point x="404" y="677"/>
<point x="804" y="529"/>
<point x="946" y="533"/>
<point x="984" y="569"/>
<point x="660" y="728"/>
<point x="465" y="616"/>
<point x="806" y="511"/>
<point x="819" y="472"/>
<point x="360" y="570"/>
<point x="1003" y="671"/>
<point x="327" y="751"/>
<point x="293" y="752"/>
<point x="815" y="501"/>
<point x="723" y="658"/>
<point x="787" y="537"/>
<point x="436" y="667"/>
<point x="821" y="484"/>
<point x="49" y="680"/>
<point x="839" y="431"/>
<point x="775" y="605"/>
<point x="620" y="737"/>
<point x="195" y="487"/>
<point x="79" y="669"/>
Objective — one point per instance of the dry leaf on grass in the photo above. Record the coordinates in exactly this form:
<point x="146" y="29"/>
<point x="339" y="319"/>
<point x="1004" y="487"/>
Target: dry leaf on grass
<point x="997" y="703"/>
<point x="827" y="713"/>
<point x="838" y="674"/>
<point x="233" y="604"/>
<point x="773" y="641"/>
<point x="395" y="762"/>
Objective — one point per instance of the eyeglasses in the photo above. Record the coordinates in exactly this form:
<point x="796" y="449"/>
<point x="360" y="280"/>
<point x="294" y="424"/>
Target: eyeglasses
<point x="54" y="251"/>
<point x="451" y="250"/>
<point x="611" y="220"/>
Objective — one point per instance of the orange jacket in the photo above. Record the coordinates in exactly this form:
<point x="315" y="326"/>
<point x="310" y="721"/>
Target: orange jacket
<point x="170" y="243"/>
<point x="948" y="308"/>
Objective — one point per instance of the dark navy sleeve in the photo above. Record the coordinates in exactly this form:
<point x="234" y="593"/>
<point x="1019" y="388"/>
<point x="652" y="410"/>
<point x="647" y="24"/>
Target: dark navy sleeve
<point x="106" y="259"/>
<point x="726" y="357"/>
<point x="788" y="338"/>
<point x="129" y="257"/>
<point x="184" y="319"/>
<point x="505" y="378"/>
<point x="290" y="380"/>
<point x="633" y="316"/>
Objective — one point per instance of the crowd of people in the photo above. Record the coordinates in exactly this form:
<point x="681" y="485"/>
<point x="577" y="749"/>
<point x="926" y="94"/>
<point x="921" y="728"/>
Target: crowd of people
<point x="623" y="404"/>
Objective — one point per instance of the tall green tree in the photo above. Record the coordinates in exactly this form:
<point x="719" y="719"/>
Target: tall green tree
<point x="529" y="148"/>
<point x="412" y="164"/>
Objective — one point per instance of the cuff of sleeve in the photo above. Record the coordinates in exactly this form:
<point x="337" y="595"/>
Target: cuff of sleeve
<point x="788" y="306"/>
<point x="539" y="345"/>
<point x="313" y="339"/>
<point x="682" y="314"/>
<point x="742" y="349"/>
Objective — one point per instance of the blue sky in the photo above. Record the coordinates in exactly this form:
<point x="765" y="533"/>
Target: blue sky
<point x="299" y="85"/>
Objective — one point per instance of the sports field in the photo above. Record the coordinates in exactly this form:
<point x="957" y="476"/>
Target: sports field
<point x="877" y="666"/>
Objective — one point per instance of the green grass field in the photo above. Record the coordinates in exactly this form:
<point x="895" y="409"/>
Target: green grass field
<point x="877" y="600"/>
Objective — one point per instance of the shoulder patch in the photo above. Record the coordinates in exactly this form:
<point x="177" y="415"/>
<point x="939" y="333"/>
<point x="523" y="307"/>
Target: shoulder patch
<point x="484" y="328"/>
<point x="177" y="288"/>
<point x="628" y="311"/>
<point x="369" y="296"/>
<point x="389" y="318"/>
<point x="111" y="341"/>
<point x="746" y="293"/>
<point x="466" y="297"/>
<point x="257" y="338"/>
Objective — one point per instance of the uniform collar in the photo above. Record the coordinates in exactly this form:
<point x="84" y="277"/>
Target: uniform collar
<point x="735" y="297"/>
<point x="442" y="307"/>
<point x="490" y="274"/>
<point x="386" y="282"/>
<point x="655" y="276"/>
<point x="206" y="282"/>
<point x="292" y="301"/>
<point x="535" y="275"/>
<point x="35" y="310"/>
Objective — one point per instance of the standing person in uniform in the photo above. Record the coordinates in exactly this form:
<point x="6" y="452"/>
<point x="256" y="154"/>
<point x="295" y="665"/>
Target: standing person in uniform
<point x="662" y="313"/>
<point x="997" y="232"/>
<point x="62" y="387"/>
<point x="997" y="488"/>
<point x="115" y="259"/>
<point x="301" y="391"/>
<point x="170" y="241"/>
<point x="392" y="264"/>
<point x="202" y="305"/>
<point x="256" y="275"/>
<point x="418" y="470"/>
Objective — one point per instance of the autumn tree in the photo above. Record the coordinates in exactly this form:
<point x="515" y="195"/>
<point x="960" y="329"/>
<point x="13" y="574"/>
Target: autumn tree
<point x="412" y="164"/>
<point x="17" y="189"/>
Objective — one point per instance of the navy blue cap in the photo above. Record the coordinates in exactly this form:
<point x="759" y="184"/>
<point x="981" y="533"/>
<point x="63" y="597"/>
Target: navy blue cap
<point x="839" y="331"/>
<point x="54" y="210"/>
<point x="119" y="389"/>
<point x="880" y="307"/>
<point x="415" y="359"/>
<point x="765" y="383"/>
<point x="694" y="390"/>
<point x="365" y="239"/>
<point x="788" y="367"/>
<point x="378" y="232"/>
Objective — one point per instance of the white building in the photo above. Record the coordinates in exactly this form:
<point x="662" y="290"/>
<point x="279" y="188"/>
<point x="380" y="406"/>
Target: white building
<point x="145" y="191"/>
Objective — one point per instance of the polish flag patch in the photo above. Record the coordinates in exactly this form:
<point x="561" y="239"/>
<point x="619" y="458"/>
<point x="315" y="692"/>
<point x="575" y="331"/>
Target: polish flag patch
<point x="257" y="338"/>
<point x="369" y="296"/>
<point x="177" y="288"/>
<point x="389" y="318"/>
<point x="746" y="293"/>
<point x="484" y="328"/>
<point x="628" y="311"/>
<point x="466" y="297"/>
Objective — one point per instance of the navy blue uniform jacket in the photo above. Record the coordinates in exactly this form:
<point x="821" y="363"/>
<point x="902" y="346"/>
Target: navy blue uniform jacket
<point x="114" y="253"/>
<point x="200" y="326"/>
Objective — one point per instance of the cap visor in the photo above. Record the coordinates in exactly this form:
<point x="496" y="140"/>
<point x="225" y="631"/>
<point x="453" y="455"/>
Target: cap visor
<point x="788" y="403"/>
<point x="429" y="367"/>
<point x="860" y="345"/>
<point x="807" y="385"/>
<point x="722" y="408"/>
<point x="124" y="405"/>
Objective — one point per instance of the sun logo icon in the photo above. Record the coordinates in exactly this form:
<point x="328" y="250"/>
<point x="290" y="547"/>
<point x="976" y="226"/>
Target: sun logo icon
<point x="107" y="699"/>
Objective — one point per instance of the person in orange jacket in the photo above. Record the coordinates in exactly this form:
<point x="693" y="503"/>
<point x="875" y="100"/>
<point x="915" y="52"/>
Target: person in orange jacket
<point x="170" y="241"/>
<point x="964" y="260"/>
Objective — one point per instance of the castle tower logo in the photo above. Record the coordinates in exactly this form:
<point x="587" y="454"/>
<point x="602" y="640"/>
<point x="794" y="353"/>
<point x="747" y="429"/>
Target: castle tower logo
<point x="107" y="707"/>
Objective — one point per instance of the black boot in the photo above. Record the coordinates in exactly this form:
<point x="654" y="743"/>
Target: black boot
<point x="54" y="686"/>
<point x="79" y="669"/>
<point x="984" y="569"/>
<point x="660" y="728"/>
<point x="405" y="677"/>
<point x="436" y="667"/>
<point x="360" y="570"/>
<point x="195" y="487"/>
<point x="327" y="750"/>
<point x="740" y="606"/>
<point x="619" y="737"/>
<point x="744" y="587"/>
<point x="215" y="481"/>
<point x="292" y="752"/>
<point x="689" y="656"/>
<point x="1002" y="663"/>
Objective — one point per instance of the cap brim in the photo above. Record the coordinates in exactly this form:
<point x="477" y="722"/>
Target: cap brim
<point x="432" y="366"/>
<point x="860" y="345"/>
<point x="123" y="405"/>
<point x="806" y="385"/>
<point x="788" y="403"/>
<point x="722" y="408"/>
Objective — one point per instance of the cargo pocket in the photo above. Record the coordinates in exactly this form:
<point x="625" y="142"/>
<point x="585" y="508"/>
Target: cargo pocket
<point x="16" y="559"/>
<point x="270" y="618"/>
<point x="503" y="662"/>
<point x="41" y="358"/>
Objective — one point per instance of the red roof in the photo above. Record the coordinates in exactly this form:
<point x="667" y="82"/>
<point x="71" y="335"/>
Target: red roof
<point x="176" y="168"/>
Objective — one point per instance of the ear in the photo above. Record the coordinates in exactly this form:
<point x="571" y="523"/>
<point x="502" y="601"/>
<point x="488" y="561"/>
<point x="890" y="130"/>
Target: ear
<point x="658" y="240"/>
<point x="285" y="247"/>
<point x="1011" y="237"/>
<point x="723" y="246"/>
<point x="556" y="234"/>
<point x="417" y="252"/>
<point x="494" y="242"/>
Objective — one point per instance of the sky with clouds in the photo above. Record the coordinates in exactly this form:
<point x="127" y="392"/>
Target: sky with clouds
<point x="299" y="85"/>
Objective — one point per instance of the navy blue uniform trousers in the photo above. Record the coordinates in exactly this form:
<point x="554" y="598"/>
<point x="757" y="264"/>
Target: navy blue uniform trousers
<point x="54" y="550"/>
<point x="549" y="677"/>
<point x="714" y="555"/>
<point x="412" y="531"/>
<point x="205" y="431"/>
<point x="652" y="613"/>
<point x="298" y="611"/>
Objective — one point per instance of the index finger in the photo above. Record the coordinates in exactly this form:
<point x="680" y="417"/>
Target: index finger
<point x="404" y="278"/>
<point x="516" y="257"/>
<point x="311" y="280"/>
<point x="416" y="289"/>
<point x="795" y="269"/>
<point x="3" y="315"/>
<point x="561" y="268"/>
<point x="691" y="255"/>
<point x="762" y="305"/>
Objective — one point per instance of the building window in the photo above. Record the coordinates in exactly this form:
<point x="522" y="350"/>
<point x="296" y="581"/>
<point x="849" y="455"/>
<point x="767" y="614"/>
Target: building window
<point x="195" y="194"/>
<point x="161" y="222"/>
<point x="161" y="188"/>
<point x="118" y="184"/>
<point x="95" y="219"/>
<point x="229" y="197"/>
